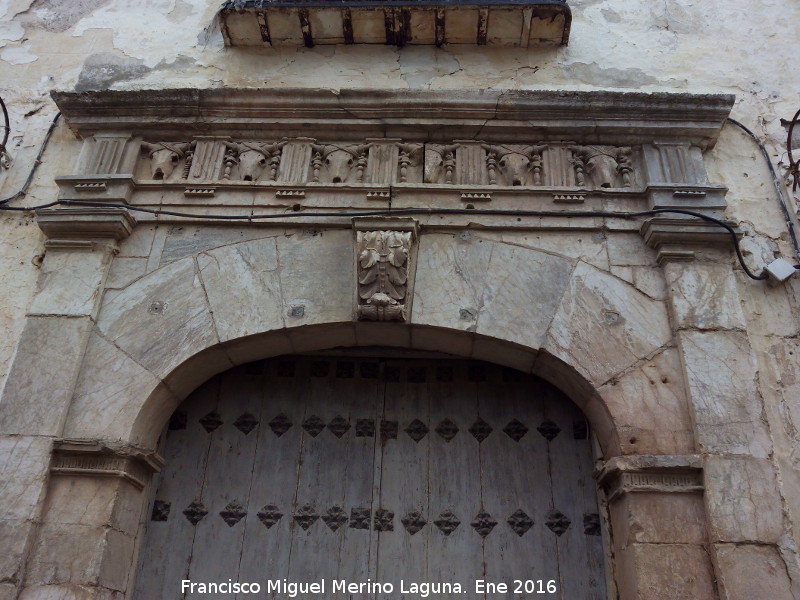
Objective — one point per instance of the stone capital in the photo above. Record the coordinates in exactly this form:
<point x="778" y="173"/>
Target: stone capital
<point x="95" y="458"/>
<point x="649" y="473"/>
<point x="84" y="227"/>
<point x="676" y="239"/>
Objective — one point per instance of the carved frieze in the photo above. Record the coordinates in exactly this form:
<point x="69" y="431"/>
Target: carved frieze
<point x="383" y="268"/>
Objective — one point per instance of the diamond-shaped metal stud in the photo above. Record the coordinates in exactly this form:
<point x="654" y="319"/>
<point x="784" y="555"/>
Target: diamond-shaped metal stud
<point x="447" y="429"/>
<point x="480" y="430"/>
<point x="305" y="516"/>
<point x="345" y="369"/>
<point x="365" y="428"/>
<point x="520" y="522"/>
<point x="160" y="511"/>
<point x="319" y="368"/>
<point x="211" y="421"/>
<point x="413" y="521"/>
<point x="269" y="515"/>
<point x="476" y="373"/>
<point x="515" y="430"/>
<point x="335" y="518"/>
<point x="483" y="523"/>
<point x="557" y="522"/>
<point x="285" y="368"/>
<point x="447" y="522"/>
<point x="195" y="512"/>
<point x="416" y="374"/>
<point x="591" y="524"/>
<point x="359" y="518"/>
<point x="369" y="370"/>
<point x="549" y="430"/>
<point x="384" y="520"/>
<point x="177" y="420"/>
<point x="417" y="430"/>
<point x="388" y="430"/>
<point x="245" y="423"/>
<point x="280" y="424"/>
<point x="444" y="374"/>
<point x="233" y="513"/>
<point x="313" y="425"/>
<point x="338" y="426"/>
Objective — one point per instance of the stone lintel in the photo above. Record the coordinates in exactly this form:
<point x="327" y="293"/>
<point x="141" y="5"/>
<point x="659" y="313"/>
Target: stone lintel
<point x="649" y="473"/>
<point x="95" y="458"/>
<point x="677" y="238"/>
<point x="73" y="228"/>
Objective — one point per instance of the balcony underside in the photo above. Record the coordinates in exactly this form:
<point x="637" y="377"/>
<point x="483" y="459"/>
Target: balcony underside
<point x="520" y="23"/>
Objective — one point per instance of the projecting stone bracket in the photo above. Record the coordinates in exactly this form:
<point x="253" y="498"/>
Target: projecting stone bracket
<point x="76" y="228"/>
<point x="668" y="474"/>
<point x="93" y="458"/>
<point x="385" y="262"/>
<point x="675" y="239"/>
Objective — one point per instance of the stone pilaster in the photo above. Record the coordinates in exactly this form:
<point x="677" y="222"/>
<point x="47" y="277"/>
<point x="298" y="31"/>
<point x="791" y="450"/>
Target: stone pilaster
<point x="655" y="504"/>
<point x="33" y="407"/>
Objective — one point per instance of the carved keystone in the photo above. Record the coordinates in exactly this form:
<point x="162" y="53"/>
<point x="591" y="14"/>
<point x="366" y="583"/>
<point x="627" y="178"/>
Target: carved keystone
<point x="384" y="268"/>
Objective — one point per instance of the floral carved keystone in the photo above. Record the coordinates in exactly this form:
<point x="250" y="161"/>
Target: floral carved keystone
<point x="383" y="266"/>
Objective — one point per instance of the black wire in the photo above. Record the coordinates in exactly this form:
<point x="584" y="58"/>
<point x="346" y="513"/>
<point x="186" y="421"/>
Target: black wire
<point x="7" y="127"/>
<point x="414" y="211"/>
<point x="776" y="182"/>
<point x="35" y="165"/>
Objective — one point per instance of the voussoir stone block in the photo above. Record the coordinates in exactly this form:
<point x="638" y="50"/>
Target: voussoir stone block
<point x="522" y="290"/>
<point x="604" y="325"/>
<point x="750" y="572"/>
<point x="317" y="274"/>
<point x="161" y="319"/>
<point x="650" y="408"/>
<point x="450" y="280"/>
<point x="109" y="392"/>
<point x="721" y="373"/>
<point x="243" y="287"/>
<point x="742" y="500"/>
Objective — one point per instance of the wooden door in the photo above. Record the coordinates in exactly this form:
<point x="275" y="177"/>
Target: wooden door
<point x="373" y="471"/>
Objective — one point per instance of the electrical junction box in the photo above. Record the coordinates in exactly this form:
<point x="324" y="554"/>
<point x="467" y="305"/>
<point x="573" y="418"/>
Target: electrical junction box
<point x="779" y="271"/>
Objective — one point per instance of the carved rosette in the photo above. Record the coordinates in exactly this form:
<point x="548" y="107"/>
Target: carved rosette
<point x="383" y="267"/>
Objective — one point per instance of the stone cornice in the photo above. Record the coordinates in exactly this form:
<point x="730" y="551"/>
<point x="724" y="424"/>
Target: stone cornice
<point x="73" y="228"/>
<point x="490" y="115"/>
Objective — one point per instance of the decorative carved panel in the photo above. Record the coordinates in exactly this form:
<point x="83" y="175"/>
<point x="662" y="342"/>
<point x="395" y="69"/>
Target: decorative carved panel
<point x="383" y="267"/>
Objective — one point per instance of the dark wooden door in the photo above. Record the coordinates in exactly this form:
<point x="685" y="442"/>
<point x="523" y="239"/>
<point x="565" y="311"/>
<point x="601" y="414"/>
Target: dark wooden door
<point x="370" y="470"/>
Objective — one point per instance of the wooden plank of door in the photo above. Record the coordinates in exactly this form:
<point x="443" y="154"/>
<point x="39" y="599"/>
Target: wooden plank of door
<point x="455" y="477"/>
<point x="580" y="554"/>
<point x="360" y="397"/>
<point x="516" y="481"/>
<point x="218" y="541"/>
<point x="267" y="541"/>
<point x="167" y="545"/>
<point x="404" y="484"/>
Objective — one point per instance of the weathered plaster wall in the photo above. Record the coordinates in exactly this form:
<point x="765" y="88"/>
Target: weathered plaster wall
<point x="734" y="46"/>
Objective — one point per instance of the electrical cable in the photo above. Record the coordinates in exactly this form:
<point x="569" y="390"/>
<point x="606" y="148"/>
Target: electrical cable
<point x="414" y="211"/>
<point x="7" y="128"/>
<point x="36" y="163"/>
<point x="776" y="182"/>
